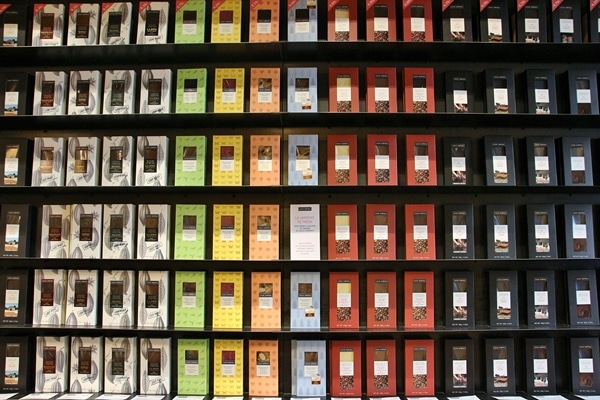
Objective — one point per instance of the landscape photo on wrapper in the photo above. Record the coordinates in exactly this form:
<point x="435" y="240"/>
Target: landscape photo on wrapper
<point x="11" y="165"/>
<point x="11" y="300"/>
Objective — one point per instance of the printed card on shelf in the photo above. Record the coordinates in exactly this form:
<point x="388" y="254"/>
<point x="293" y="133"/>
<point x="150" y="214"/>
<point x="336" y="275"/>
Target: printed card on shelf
<point x="420" y="231"/>
<point x="155" y="91"/>
<point x="541" y="231"/>
<point x="155" y="366"/>
<point x="381" y="231"/>
<point x="50" y="96"/>
<point x="302" y="19"/>
<point x="229" y="90"/>
<point x="56" y="231"/>
<point x="310" y="364"/>
<point x="190" y="226"/>
<point x="15" y="92"/>
<point x="119" y="92"/>
<point x="303" y="160"/>
<point x="51" y="366"/>
<point x="189" y="299"/>
<point x="227" y="156"/>
<point x="189" y="21"/>
<point x="459" y="363"/>
<point x="87" y="364"/>
<point x="342" y="232"/>
<point x="500" y="366"/>
<point x="83" y="161"/>
<point x="15" y="290"/>
<point x="419" y="300"/>
<point x="343" y="300"/>
<point x="117" y="161"/>
<point x="191" y="91"/>
<point x="419" y="90"/>
<point x="305" y="238"/>
<point x="120" y="372"/>
<point x="14" y="20"/>
<point x="153" y="299"/>
<point x="302" y="90"/>
<point x="345" y="367"/>
<point x="16" y="227"/>
<point x="382" y="93"/>
<point x="266" y="300"/>
<point x="419" y="361"/>
<point x="48" y="24"/>
<point x="14" y="350"/>
<point x="153" y="21"/>
<point x="460" y="299"/>
<point x="264" y="21"/>
<point x="305" y="303"/>
<point x="381" y="368"/>
<point x="540" y="366"/>
<point x="226" y="20"/>
<point x="504" y="299"/>
<point x="118" y="239"/>
<point x="118" y="299"/>
<point x="228" y="239"/>
<point x="381" y="300"/>
<point x="584" y="366"/>
<point x="541" y="299"/>
<point x="342" y="160"/>
<point x="382" y="160"/>
<point x="227" y="301"/>
<point x="49" y="297"/>
<point x="421" y="167"/>
<point x="342" y="21"/>
<point x="190" y="160"/>
<point x="265" y="160"/>
<point x="153" y="231"/>
<point x="263" y="368"/>
<point x="343" y="90"/>
<point x="152" y="160"/>
<point x="82" y="298"/>
<point x="116" y="23"/>
<point x="583" y="298"/>
<point x="381" y="20"/>
<point x="417" y="21"/>
<point x="264" y="89"/>
<point x="83" y="24"/>
<point x="228" y="370"/>
<point x="264" y="232"/>
<point x="193" y="366"/>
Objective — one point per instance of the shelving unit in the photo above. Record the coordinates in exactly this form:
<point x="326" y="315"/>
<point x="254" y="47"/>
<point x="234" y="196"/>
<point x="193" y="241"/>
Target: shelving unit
<point x="442" y="56"/>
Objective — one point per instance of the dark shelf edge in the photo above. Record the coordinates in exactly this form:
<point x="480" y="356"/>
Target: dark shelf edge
<point x="305" y="190"/>
<point x="156" y="56"/>
<point x="246" y="332"/>
<point x="438" y="265"/>
<point x="284" y="120"/>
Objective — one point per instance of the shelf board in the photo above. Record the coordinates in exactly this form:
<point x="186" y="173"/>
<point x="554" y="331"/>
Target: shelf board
<point x="186" y="55"/>
<point x="287" y="333"/>
<point x="520" y="264"/>
<point x="86" y="191"/>
<point x="296" y="120"/>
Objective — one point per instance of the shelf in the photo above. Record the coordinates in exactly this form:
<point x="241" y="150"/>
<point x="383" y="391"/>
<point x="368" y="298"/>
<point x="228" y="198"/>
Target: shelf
<point x="84" y="191"/>
<point x="187" y="55"/>
<point x="439" y="265"/>
<point x="321" y="120"/>
<point x="323" y="333"/>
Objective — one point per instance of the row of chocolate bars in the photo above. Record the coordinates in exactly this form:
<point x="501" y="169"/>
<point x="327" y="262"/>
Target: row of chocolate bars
<point x="314" y="301"/>
<point x="232" y="21"/>
<point x="87" y="93"/>
<point x="157" y="367"/>
<point x="123" y="161"/>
